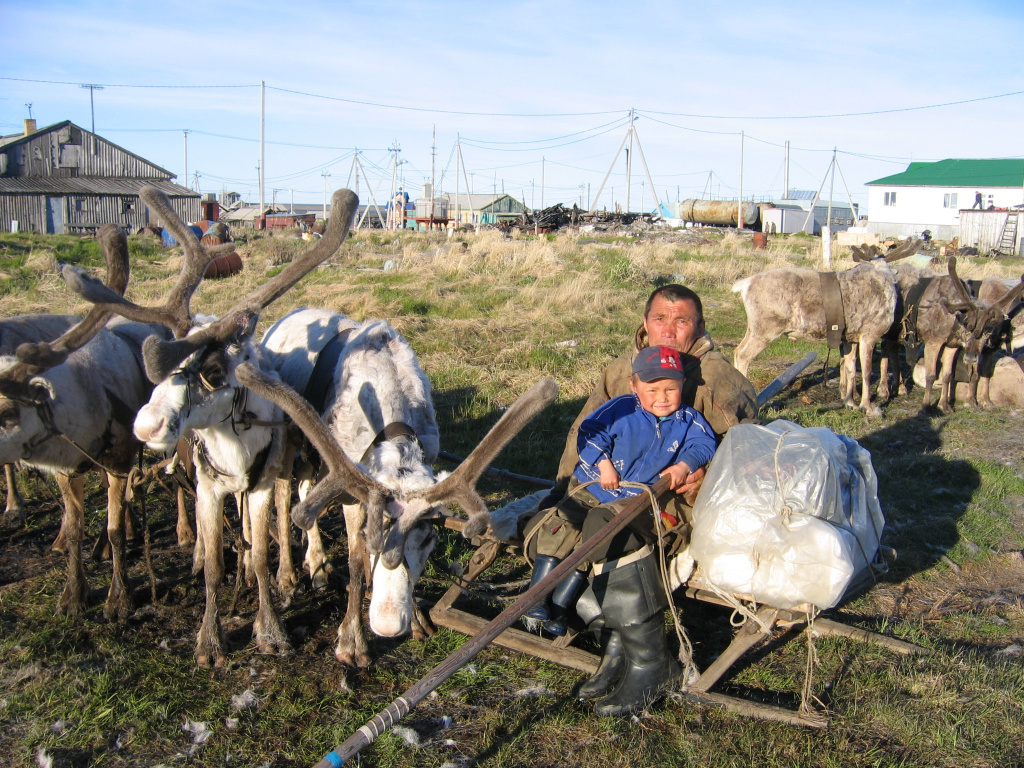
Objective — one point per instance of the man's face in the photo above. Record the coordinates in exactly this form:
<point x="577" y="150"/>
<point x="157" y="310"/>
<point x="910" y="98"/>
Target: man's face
<point x="673" y="324"/>
<point x="660" y="397"/>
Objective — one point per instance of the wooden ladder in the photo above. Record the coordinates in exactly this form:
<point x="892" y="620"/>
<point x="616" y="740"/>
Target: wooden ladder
<point x="1008" y="238"/>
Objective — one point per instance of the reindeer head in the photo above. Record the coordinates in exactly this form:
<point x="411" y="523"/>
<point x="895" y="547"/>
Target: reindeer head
<point x="979" y="325"/>
<point x="25" y="390"/>
<point x="399" y="534"/>
<point x="194" y="373"/>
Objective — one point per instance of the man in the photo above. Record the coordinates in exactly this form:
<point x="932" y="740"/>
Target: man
<point x="624" y="603"/>
<point x="977" y="201"/>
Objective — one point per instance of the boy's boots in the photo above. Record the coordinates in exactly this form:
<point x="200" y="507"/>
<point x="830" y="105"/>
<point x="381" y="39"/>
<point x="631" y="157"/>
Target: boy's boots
<point x="612" y="658"/>
<point x="633" y="600"/>
<point x="562" y="599"/>
<point x="542" y="566"/>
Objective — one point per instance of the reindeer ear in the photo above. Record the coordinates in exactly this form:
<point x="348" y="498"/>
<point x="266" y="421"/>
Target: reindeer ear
<point x="41" y="390"/>
<point x="161" y="357"/>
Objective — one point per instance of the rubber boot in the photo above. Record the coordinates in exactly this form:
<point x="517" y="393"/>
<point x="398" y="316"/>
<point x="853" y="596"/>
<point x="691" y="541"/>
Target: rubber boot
<point x="542" y="566"/>
<point x="633" y="600"/>
<point x="562" y="599"/>
<point x="613" y="661"/>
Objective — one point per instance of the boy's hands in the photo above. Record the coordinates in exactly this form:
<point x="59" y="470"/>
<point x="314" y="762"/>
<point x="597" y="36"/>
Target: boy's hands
<point x="678" y="476"/>
<point x="609" y="476"/>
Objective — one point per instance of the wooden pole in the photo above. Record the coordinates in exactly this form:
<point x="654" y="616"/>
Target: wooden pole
<point x="400" y="707"/>
<point x="785" y="378"/>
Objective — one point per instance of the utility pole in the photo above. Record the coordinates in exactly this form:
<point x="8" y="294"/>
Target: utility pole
<point x="291" y="202"/>
<point x="542" y="160"/>
<point x="185" y="175"/>
<point x="325" y="174"/>
<point x="785" y="181"/>
<point x="629" y="160"/>
<point x="263" y="128"/>
<point x="739" y="207"/>
<point x="92" y="106"/>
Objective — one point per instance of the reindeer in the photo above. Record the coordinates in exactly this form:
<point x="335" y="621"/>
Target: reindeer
<point x="949" y="320"/>
<point x="390" y="523"/>
<point x="238" y="440"/>
<point x="377" y="405"/>
<point x="789" y="301"/>
<point x="67" y="407"/>
<point x="15" y="331"/>
<point x="1009" y="335"/>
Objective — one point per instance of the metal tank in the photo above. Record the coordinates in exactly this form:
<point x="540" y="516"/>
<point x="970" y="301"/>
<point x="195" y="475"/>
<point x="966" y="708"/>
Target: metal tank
<point x="720" y="212"/>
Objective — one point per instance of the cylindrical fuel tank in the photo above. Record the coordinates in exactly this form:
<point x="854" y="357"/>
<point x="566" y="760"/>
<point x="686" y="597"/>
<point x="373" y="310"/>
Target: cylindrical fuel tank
<point x="722" y="212"/>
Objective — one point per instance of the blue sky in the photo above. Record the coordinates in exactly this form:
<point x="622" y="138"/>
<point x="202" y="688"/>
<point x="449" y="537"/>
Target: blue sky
<point x="537" y="90"/>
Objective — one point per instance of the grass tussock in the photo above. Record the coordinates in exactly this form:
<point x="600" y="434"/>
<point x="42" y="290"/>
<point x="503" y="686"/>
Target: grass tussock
<point x="488" y="315"/>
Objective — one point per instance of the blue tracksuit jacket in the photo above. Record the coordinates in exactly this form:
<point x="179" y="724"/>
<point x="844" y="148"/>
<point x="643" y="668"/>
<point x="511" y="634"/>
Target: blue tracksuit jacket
<point x="639" y="444"/>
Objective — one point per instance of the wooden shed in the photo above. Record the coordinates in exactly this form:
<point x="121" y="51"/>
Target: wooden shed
<point x="62" y="179"/>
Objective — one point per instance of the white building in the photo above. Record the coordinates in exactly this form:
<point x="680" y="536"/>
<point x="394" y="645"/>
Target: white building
<point x="932" y="196"/>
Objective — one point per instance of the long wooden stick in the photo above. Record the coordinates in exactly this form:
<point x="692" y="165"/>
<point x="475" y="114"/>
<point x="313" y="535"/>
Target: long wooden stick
<point x="399" y="708"/>
<point x="501" y="474"/>
<point x="785" y="378"/>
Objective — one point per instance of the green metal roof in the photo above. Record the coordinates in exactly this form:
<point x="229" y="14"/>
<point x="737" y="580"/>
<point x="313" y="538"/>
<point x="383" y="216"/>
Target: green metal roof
<point x="996" y="172"/>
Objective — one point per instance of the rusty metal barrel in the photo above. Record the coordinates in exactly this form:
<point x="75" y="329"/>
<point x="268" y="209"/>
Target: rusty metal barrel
<point x="721" y="212"/>
<point x="223" y="266"/>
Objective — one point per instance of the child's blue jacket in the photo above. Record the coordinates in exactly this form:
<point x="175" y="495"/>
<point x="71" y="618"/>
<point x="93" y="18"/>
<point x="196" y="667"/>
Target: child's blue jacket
<point x="639" y="444"/>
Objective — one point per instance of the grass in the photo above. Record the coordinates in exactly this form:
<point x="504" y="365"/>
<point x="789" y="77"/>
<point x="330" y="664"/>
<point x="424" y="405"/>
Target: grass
<point x="487" y="317"/>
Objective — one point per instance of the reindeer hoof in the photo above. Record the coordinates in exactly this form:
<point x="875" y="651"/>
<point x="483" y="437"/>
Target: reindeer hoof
<point x="12" y="518"/>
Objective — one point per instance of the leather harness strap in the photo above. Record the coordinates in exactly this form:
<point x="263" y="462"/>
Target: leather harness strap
<point x="832" y="302"/>
<point x="390" y="431"/>
<point x="323" y="370"/>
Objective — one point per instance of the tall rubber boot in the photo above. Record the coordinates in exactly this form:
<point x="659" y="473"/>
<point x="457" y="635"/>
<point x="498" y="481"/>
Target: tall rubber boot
<point x="562" y="599"/>
<point x="612" y="659"/>
<point x="542" y="566"/>
<point x="633" y="602"/>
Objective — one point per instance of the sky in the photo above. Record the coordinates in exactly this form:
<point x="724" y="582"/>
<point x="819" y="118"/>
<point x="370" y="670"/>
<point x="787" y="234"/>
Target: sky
<point x="537" y="95"/>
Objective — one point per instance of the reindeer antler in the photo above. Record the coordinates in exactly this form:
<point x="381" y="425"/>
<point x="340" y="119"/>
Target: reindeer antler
<point x="34" y="359"/>
<point x="344" y="477"/>
<point x="958" y="284"/>
<point x="908" y="248"/>
<point x="163" y="356"/>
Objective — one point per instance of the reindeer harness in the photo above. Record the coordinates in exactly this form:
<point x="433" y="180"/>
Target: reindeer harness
<point x="832" y="303"/>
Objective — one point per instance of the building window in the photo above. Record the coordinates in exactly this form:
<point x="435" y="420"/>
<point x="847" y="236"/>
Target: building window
<point x="81" y="204"/>
<point x="890" y="198"/>
<point x="949" y="200"/>
<point x="127" y="205"/>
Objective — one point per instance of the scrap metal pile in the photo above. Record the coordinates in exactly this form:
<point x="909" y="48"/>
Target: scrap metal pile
<point x="558" y="216"/>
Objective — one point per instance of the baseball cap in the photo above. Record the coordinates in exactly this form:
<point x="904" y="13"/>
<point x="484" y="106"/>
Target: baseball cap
<point x="658" y="363"/>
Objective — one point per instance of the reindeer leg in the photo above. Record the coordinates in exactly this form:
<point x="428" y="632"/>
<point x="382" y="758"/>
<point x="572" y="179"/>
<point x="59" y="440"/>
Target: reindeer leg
<point x="209" y="522"/>
<point x="947" y="379"/>
<point x="848" y="379"/>
<point x="14" y="514"/>
<point x="351" y="648"/>
<point x="245" y="556"/>
<point x="316" y="560"/>
<point x="287" y="579"/>
<point x="72" y="599"/>
<point x="931" y="362"/>
<point x="119" y="601"/>
<point x="267" y="631"/>
<point x="183" y="529"/>
<point x="750" y="346"/>
<point x="866" y="353"/>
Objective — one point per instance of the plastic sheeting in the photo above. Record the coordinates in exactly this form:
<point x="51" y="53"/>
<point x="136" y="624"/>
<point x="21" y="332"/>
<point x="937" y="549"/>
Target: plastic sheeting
<point x="787" y="515"/>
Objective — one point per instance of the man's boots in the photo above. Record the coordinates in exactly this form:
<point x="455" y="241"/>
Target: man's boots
<point x="633" y="601"/>
<point x="612" y="659"/>
<point x="562" y="599"/>
<point x="542" y="566"/>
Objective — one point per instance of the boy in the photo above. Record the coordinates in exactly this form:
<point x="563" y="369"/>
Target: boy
<point x="635" y="438"/>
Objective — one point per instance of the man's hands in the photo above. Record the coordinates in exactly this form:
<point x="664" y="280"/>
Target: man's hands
<point x="681" y="479"/>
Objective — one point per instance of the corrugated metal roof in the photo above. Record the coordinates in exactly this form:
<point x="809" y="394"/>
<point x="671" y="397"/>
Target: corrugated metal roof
<point x="996" y="172"/>
<point x="89" y="185"/>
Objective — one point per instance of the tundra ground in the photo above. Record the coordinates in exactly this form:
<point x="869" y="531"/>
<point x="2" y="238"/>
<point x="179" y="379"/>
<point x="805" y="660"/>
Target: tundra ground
<point x="487" y="317"/>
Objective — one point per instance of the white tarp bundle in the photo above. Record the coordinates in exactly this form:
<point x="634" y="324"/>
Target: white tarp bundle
<point x="786" y="515"/>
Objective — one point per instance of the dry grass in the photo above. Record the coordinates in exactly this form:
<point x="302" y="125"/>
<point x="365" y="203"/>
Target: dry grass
<point x="487" y="316"/>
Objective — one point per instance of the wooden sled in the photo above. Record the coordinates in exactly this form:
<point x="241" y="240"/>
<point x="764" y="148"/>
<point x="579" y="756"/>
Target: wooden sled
<point x="747" y="637"/>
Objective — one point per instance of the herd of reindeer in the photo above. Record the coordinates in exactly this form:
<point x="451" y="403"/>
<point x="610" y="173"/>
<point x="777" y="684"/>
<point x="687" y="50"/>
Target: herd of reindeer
<point x="85" y="394"/>
<point x="342" y="409"/>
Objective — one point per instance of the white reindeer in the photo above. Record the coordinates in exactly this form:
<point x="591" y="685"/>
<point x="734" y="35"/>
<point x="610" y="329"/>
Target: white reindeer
<point x="239" y="440"/>
<point x="393" y="521"/>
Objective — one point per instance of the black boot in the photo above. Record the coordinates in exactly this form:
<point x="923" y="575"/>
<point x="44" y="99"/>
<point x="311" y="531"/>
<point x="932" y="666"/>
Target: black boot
<point x="562" y="599"/>
<point x="609" y="670"/>
<point x="633" y="600"/>
<point x="542" y="566"/>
